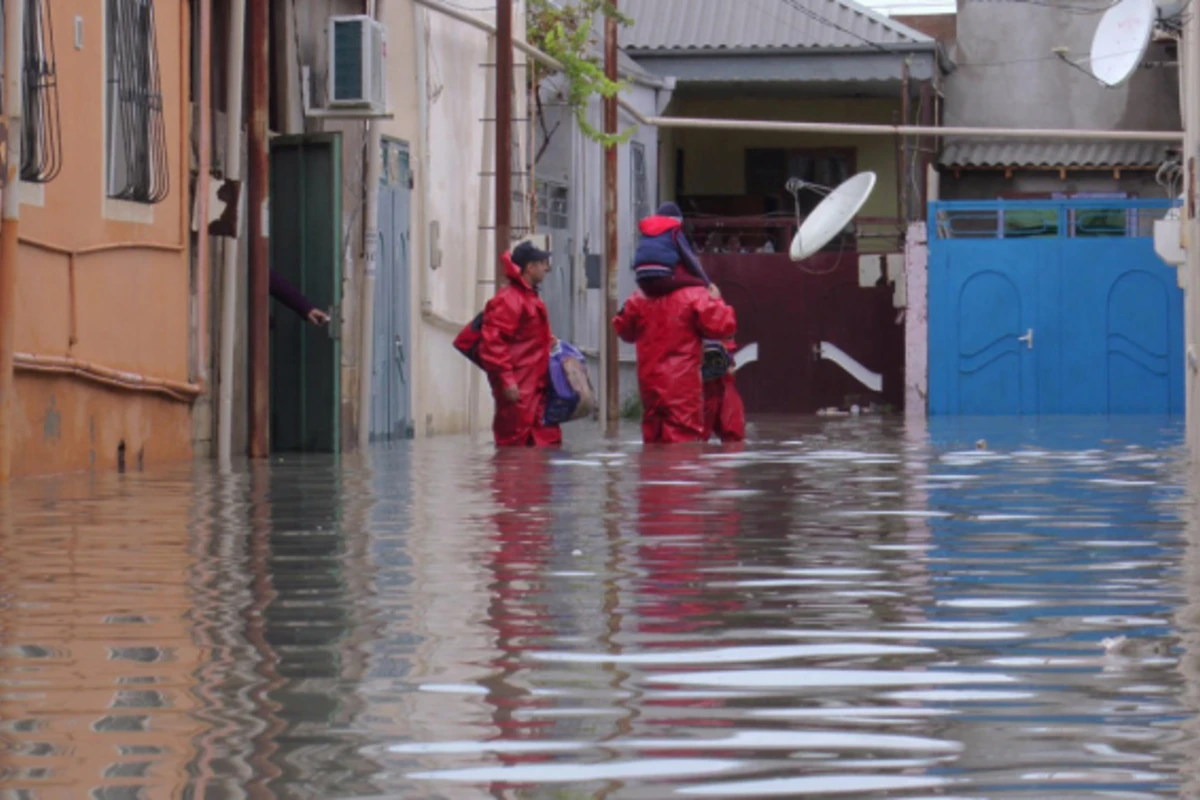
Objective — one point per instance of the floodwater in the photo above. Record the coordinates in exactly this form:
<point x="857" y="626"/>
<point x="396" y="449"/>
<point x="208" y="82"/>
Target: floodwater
<point x="842" y="608"/>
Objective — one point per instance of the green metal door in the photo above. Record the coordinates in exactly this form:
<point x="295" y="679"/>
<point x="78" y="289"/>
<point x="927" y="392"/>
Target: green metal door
<point x="306" y="249"/>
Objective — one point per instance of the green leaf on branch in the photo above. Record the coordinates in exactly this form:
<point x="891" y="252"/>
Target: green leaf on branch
<point x="566" y="34"/>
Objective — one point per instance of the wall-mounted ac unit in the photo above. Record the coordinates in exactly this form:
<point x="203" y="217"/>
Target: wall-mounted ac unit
<point x="357" y="63"/>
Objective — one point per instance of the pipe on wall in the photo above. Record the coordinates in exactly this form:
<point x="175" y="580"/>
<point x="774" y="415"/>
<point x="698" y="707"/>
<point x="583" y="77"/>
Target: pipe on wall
<point x="235" y="66"/>
<point x="204" y="145"/>
<point x="259" y="165"/>
<point x="366" y="361"/>
<point x="119" y="379"/>
<point x="14" y="42"/>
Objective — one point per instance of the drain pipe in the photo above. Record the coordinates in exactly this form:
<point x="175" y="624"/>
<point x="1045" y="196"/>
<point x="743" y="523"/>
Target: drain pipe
<point x="14" y="40"/>
<point x="366" y="361"/>
<point x="203" y="177"/>
<point x="229" y="272"/>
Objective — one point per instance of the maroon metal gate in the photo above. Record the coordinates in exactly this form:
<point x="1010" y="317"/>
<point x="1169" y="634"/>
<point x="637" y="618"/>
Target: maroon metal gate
<point x="789" y="309"/>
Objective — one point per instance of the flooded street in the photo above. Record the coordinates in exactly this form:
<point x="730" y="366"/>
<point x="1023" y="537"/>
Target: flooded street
<point x="842" y="608"/>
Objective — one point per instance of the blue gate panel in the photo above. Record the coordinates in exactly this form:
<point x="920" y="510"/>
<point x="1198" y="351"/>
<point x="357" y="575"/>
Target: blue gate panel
<point x="1057" y="317"/>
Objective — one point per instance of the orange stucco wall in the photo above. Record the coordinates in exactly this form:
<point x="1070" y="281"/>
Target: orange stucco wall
<point x="131" y="305"/>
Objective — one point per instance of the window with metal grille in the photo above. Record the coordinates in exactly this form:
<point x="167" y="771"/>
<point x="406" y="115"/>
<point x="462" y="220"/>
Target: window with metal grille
<point x="641" y="180"/>
<point x="41" y="131"/>
<point x="136" y="138"/>
<point x="552" y="205"/>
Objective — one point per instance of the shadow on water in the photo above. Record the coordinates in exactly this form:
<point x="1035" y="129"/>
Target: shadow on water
<point x="838" y="608"/>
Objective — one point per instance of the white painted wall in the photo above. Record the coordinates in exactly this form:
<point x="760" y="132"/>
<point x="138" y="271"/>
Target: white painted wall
<point x="449" y="193"/>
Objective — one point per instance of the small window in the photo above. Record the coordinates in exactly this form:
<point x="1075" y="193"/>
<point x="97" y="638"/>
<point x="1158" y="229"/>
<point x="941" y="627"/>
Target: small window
<point x="136" y="138"/>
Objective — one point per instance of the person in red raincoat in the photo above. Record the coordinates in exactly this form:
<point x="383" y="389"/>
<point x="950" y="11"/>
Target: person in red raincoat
<point x="668" y="331"/>
<point x="724" y="411"/>
<point x="514" y="350"/>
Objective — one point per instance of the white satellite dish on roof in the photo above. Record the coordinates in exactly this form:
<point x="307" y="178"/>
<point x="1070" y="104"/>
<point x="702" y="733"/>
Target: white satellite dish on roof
<point x="831" y="216"/>
<point x="1121" y="40"/>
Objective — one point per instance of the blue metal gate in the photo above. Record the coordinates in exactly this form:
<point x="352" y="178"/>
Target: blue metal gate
<point x="1052" y="307"/>
<point x="391" y="410"/>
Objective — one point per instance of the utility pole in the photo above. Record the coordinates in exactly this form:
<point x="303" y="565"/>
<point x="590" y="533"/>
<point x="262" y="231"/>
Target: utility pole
<point x="503" y="123"/>
<point x="1190" y="77"/>
<point x="259" y="298"/>
<point x="612" y="381"/>
<point x="14" y="28"/>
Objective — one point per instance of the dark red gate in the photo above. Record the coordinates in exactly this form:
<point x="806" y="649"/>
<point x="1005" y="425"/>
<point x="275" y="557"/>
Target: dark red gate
<point x="789" y="309"/>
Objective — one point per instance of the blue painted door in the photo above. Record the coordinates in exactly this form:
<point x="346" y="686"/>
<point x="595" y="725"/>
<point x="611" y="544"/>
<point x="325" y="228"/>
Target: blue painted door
<point x="1064" y="316"/>
<point x="391" y="397"/>
<point x="985" y="307"/>
<point x="1122" y="329"/>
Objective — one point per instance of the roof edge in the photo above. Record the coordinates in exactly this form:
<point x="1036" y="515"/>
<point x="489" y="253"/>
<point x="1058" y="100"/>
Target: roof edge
<point x="676" y="52"/>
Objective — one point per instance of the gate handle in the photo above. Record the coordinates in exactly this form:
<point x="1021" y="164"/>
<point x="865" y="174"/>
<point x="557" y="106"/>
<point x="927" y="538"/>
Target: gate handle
<point x="1027" y="338"/>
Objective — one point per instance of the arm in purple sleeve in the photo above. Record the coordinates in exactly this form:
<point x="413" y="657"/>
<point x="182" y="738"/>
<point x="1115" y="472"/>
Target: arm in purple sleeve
<point x="690" y="260"/>
<point x="290" y="296"/>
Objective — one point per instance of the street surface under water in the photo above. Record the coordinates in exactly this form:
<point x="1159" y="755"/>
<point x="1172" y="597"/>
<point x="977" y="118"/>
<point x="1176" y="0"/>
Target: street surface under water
<point x="840" y="608"/>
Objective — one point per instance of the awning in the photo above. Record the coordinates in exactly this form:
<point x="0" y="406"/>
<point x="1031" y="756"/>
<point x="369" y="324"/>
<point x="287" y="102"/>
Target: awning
<point x="996" y="154"/>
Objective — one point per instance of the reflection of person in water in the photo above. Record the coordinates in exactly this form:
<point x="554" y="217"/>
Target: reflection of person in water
<point x="517" y="562"/>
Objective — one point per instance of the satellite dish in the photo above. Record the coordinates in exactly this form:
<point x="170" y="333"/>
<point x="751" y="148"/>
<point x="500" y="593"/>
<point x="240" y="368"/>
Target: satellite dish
<point x="1121" y="40"/>
<point x="831" y="216"/>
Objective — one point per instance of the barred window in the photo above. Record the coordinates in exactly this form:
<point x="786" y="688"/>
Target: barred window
<point x="641" y="180"/>
<point x="136" y="138"/>
<point x="552" y="205"/>
<point x="41" y="131"/>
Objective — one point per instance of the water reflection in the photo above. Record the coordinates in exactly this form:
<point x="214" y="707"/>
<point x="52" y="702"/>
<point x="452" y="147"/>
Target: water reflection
<point x="842" y="608"/>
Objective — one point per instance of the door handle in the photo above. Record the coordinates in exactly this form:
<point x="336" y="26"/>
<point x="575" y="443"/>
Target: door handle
<point x="400" y="357"/>
<point x="1027" y="338"/>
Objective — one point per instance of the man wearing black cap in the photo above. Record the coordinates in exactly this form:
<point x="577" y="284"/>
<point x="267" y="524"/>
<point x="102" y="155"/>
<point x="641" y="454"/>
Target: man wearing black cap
<point x="515" y="351"/>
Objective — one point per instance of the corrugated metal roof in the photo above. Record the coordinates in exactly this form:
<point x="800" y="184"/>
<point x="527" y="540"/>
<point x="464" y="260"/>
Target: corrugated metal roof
<point x="1018" y="153"/>
<point x="758" y="24"/>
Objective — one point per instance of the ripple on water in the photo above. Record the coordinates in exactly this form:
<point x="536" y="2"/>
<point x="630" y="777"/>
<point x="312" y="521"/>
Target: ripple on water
<point x="839" y="607"/>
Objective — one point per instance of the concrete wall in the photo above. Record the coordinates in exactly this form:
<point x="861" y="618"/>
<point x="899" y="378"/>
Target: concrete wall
<point x="1008" y="76"/>
<point x="124" y="307"/>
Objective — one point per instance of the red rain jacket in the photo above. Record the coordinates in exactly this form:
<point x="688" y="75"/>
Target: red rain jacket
<point x="724" y="411"/>
<point x="515" y="351"/>
<point x="668" y="331"/>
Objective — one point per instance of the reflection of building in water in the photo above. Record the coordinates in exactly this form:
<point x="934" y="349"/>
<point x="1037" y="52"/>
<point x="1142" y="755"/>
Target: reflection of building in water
<point x="98" y="661"/>
<point x="1042" y="556"/>
<point x="308" y="552"/>
<point x="1188" y="624"/>
<point x="428" y="531"/>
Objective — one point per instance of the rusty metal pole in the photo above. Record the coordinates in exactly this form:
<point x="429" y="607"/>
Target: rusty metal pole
<point x="259" y="298"/>
<point x="14" y="11"/>
<point x="612" y="381"/>
<point x="905" y="162"/>
<point x="503" y="123"/>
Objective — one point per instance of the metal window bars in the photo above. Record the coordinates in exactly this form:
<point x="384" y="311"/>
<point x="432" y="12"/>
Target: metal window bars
<point x="137" y="147"/>
<point x="41" y="131"/>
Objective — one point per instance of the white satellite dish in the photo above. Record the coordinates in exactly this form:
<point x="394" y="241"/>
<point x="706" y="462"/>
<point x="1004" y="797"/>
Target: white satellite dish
<point x="831" y="216"/>
<point x="1121" y="40"/>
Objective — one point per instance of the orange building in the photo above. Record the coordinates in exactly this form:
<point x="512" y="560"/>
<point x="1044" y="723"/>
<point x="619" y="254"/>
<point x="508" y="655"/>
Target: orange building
<point x="105" y="362"/>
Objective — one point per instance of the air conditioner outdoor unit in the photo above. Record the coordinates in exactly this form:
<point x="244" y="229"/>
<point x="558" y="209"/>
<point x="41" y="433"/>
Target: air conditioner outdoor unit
<point x="357" y="63"/>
